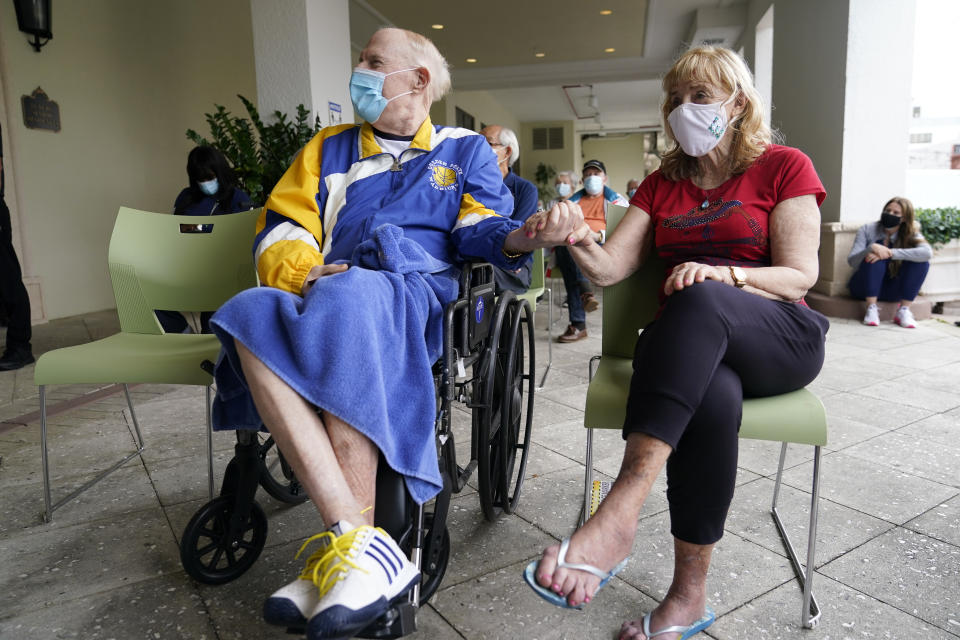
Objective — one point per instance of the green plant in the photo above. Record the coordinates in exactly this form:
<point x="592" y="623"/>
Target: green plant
<point x="544" y="177"/>
<point x="939" y="226"/>
<point x="259" y="153"/>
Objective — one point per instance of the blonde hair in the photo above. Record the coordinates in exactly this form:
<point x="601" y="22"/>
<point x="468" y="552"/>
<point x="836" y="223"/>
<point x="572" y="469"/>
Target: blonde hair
<point x="423" y="53"/>
<point x="722" y="69"/>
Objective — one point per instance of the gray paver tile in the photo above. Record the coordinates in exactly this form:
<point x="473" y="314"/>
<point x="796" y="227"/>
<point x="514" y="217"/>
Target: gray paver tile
<point x="919" y="575"/>
<point x="164" y="607"/>
<point x="941" y="428"/>
<point x="941" y="522"/>
<point x="500" y="605"/>
<point x="852" y="482"/>
<point x="884" y="414"/>
<point x="847" y="614"/>
<point x="43" y="563"/>
<point x="917" y="456"/>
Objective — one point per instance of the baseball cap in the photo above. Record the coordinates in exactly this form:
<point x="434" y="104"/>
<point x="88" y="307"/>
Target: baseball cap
<point x="595" y="164"/>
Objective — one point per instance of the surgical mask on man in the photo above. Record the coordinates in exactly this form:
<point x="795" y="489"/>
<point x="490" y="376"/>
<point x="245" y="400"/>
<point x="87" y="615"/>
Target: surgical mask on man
<point x="698" y="128"/>
<point x="593" y="184"/>
<point x="630" y="193"/>
<point x="563" y="189"/>
<point x="366" y="93"/>
<point x="890" y="220"/>
<point x="209" y="187"/>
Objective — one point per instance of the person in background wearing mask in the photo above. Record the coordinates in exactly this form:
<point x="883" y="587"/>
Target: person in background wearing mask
<point x="736" y="219"/>
<point x="504" y="143"/>
<point x="891" y="258"/>
<point x="566" y="184"/>
<point x="213" y="186"/>
<point x="632" y="185"/>
<point x="212" y="192"/>
<point x="593" y="199"/>
<point x="359" y="249"/>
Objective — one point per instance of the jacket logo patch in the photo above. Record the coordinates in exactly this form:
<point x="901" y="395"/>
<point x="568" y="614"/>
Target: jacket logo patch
<point x="443" y="175"/>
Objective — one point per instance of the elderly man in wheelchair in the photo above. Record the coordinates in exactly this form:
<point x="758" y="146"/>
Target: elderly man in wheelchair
<point x="359" y="246"/>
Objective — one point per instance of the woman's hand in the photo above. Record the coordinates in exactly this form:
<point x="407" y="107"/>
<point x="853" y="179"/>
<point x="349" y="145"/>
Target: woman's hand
<point x="563" y="224"/>
<point x="318" y="272"/>
<point x="878" y="252"/>
<point x="687" y="273"/>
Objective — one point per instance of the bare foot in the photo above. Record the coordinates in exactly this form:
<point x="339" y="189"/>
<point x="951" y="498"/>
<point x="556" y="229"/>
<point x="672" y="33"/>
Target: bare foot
<point x="603" y="541"/>
<point x="672" y="611"/>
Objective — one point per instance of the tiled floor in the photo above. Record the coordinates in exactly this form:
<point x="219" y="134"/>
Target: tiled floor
<point x="888" y="546"/>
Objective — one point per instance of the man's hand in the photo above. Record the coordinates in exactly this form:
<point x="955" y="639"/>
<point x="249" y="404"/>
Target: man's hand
<point x="561" y="225"/>
<point x="687" y="273"/>
<point x="318" y="272"/>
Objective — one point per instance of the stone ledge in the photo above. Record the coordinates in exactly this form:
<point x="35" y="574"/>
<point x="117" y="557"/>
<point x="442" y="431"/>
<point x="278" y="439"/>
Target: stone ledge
<point x="846" y="307"/>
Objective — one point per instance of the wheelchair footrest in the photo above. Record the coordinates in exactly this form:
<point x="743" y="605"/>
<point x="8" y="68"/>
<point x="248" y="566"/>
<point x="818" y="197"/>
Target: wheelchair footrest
<point x="598" y="492"/>
<point x="400" y="620"/>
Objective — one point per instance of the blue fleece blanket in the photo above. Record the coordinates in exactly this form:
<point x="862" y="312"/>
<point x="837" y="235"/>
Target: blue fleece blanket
<point x="360" y="345"/>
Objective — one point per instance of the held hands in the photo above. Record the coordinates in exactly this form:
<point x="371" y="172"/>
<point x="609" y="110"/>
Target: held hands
<point x="318" y="272"/>
<point x="687" y="273"/>
<point x="878" y="252"/>
<point x="562" y="225"/>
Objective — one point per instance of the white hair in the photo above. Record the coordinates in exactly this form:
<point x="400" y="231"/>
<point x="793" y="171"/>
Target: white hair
<point x="508" y="138"/>
<point x="423" y="53"/>
<point x="574" y="178"/>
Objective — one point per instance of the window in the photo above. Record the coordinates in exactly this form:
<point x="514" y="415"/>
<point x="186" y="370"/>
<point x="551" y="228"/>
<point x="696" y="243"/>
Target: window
<point x="916" y="112"/>
<point x="547" y="138"/>
<point x="916" y="138"/>
<point x="956" y="148"/>
<point x="464" y="119"/>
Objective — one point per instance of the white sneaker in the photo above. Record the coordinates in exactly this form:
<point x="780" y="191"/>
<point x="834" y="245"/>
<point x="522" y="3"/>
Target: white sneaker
<point x="904" y="318"/>
<point x="872" y="318"/>
<point x="361" y="573"/>
<point x="290" y="605"/>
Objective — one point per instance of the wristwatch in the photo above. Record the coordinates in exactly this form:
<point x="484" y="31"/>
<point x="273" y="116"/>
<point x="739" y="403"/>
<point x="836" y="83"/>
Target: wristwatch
<point x="739" y="276"/>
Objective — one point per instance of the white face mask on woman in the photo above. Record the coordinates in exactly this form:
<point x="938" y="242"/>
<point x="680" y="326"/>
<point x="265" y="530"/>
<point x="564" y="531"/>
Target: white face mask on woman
<point x="699" y="127"/>
<point x="563" y="189"/>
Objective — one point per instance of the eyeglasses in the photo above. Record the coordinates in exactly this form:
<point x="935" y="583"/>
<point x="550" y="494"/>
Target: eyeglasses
<point x="494" y="144"/>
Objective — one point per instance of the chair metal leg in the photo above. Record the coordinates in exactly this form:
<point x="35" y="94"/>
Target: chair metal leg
<point x="810" y="614"/>
<point x="49" y="506"/>
<point x="588" y="472"/>
<point x="209" y="444"/>
<point x="543" y="379"/>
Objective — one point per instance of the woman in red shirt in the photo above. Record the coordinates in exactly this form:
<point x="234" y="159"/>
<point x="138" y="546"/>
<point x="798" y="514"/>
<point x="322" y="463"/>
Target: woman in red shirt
<point x="737" y="220"/>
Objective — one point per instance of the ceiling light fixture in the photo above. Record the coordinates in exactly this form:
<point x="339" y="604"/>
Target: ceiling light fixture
<point x="471" y="59"/>
<point x="609" y="50"/>
<point x="437" y="26"/>
<point x="539" y="54"/>
<point x="605" y="12"/>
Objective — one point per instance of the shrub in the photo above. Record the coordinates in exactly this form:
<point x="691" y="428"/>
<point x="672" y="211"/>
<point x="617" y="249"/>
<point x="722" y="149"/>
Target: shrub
<point x="939" y="226"/>
<point x="259" y="153"/>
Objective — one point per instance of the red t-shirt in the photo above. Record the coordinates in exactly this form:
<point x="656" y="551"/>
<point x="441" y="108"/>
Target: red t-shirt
<point x="727" y="225"/>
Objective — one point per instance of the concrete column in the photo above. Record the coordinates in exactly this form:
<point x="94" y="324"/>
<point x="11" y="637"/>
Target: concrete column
<point x="302" y="56"/>
<point x="841" y="92"/>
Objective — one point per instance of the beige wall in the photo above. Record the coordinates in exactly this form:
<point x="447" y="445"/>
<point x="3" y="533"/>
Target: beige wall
<point x="621" y="155"/>
<point x="129" y="78"/>
<point x="480" y="104"/>
<point x="560" y="159"/>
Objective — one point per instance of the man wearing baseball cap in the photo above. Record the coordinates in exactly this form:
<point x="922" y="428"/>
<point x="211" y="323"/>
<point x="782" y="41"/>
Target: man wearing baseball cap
<point x="593" y="198"/>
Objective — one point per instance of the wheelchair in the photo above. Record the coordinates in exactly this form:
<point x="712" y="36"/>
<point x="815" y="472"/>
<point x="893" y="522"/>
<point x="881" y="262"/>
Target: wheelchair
<point x="487" y="365"/>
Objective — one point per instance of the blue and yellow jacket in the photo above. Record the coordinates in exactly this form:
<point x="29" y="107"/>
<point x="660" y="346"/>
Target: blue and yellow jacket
<point x="445" y="191"/>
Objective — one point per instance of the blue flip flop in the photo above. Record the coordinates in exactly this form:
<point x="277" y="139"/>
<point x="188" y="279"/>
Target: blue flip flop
<point x="685" y="632"/>
<point x="529" y="574"/>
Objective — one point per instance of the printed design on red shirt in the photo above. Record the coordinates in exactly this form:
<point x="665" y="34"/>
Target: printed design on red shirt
<point x="717" y="230"/>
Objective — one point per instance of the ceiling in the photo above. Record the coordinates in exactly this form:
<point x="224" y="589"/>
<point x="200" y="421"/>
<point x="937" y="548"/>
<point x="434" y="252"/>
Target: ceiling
<point x="576" y="77"/>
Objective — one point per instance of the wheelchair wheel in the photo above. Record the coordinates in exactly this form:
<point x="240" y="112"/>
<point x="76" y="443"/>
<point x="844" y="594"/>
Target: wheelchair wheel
<point x="503" y="428"/>
<point x="210" y="553"/>
<point x="516" y="412"/>
<point x="276" y="476"/>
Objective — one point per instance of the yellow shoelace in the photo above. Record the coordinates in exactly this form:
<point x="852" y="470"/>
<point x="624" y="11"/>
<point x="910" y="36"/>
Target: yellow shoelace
<point x="331" y="563"/>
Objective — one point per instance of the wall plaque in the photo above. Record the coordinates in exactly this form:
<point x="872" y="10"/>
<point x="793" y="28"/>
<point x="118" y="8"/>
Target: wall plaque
<point x="40" y="112"/>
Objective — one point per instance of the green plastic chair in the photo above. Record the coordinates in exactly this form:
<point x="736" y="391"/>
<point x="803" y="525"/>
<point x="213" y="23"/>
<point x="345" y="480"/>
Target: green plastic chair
<point x="155" y="265"/>
<point x="537" y="288"/>
<point x="796" y="417"/>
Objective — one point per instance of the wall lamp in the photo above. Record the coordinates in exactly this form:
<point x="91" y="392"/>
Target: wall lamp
<point x="33" y="17"/>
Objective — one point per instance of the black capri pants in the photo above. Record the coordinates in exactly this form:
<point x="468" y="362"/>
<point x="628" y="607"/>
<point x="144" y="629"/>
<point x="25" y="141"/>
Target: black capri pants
<point x="711" y="346"/>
